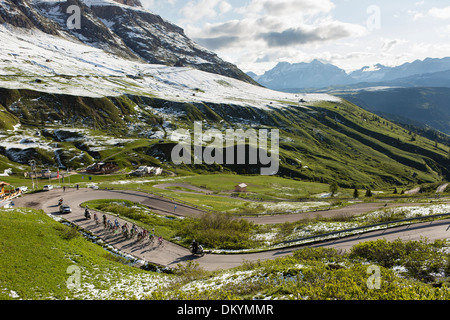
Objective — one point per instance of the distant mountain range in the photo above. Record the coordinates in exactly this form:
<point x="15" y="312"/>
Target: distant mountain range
<point x="416" y="93"/>
<point x="314" y="75"/>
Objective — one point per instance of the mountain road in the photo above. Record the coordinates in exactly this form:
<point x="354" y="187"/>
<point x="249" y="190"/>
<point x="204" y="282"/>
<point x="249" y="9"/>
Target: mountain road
<point x="171" y="255"/>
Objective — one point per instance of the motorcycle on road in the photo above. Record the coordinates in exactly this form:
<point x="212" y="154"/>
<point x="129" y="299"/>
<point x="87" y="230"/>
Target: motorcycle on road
<point x="87" y="214"/>
<point x="198" y="252"/>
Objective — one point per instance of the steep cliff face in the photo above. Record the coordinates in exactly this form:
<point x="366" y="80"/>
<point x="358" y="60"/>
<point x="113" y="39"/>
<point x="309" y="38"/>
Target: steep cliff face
<point x="158" y="41"/>
<point x="21" y="14"/>
<point x="121" y="27"/>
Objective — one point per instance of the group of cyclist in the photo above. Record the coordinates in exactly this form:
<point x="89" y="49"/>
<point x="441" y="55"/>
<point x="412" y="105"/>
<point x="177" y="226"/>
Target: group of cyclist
<point x="133" y="231"/>
<point x="126" y="231"/>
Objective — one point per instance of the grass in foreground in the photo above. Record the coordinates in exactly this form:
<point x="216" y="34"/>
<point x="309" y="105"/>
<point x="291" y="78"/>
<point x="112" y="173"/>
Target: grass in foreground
<point x="36" y="252"/>
<point x="371" y="271"/>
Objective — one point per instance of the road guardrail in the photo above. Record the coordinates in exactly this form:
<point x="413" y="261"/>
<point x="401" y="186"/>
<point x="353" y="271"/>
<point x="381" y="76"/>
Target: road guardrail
<point x="366" y="227"/>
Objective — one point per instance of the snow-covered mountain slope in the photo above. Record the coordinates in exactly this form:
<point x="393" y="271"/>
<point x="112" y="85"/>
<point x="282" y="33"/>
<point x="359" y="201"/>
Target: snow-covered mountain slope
<point x="380" y="73"/>
<point x="31" y="59"/>
<point x="121" y="27"/>
<point x="303" y="75"/>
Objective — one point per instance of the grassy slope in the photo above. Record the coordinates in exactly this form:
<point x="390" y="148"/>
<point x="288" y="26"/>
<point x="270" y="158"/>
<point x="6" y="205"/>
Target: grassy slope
<point x="36" y="251"/>
<point x="262" y="187"/>
<point x="327" y="142"/>
<point x="340" y="142"/>
<point x="425" y="106"/>
<point x="354" y="143"/>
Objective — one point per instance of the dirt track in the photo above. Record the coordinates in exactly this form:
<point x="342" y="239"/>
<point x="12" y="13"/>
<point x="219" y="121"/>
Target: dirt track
<point x="171" y="254"/>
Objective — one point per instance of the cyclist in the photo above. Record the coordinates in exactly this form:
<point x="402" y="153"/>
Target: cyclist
<point x="151" y="237"/>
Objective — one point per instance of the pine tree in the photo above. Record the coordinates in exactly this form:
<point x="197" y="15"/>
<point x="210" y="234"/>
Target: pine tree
<point x="356" y="193"/>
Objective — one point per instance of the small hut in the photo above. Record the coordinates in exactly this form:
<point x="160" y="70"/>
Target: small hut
<point x="241" y="188"/>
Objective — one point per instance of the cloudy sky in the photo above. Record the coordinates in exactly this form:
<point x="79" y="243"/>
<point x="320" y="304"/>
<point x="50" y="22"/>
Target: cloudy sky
<point x="257" y="34"/>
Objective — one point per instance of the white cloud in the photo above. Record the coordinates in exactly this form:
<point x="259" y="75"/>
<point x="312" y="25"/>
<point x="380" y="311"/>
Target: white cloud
<point x="267" y="31"/>
<point x="287" y="7"/>
<point x="196" y="10"/>
<point x="440" y="13"/>
<point x="225" y="7"/>
<point x="278" y="23"/>
<point x="390" y="44"/>
<point x="307" y="34"/>
<point x="257" y="34"/>
<point x="416" y="14"/>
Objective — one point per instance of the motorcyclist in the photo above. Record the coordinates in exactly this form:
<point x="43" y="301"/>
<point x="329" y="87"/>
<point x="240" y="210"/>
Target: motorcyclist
<point x="194" y="247"/>
<point x="60" y="202"/>
<point x="87" y="214"/>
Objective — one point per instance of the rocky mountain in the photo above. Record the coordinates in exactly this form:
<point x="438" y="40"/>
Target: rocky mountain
<point x="120" y="27"/>
<point x="294" y="77"/>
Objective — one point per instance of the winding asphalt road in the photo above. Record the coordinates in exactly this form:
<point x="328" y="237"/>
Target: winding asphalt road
<point x="171" y="254"/>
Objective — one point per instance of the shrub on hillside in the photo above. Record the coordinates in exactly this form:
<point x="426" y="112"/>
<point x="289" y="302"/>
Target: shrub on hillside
<point x="218" y="231"/>
<point x="422" y="260"/>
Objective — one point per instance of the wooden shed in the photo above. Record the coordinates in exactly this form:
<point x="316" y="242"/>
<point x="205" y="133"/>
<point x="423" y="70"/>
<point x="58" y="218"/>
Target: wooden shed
<point x="241" y="188"/>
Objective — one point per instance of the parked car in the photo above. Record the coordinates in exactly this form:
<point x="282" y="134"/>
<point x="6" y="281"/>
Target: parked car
<point x="48" y="187"/>
<point x="65" y="209"/>
<point x="23" y="189"/>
